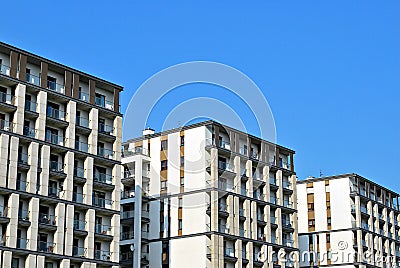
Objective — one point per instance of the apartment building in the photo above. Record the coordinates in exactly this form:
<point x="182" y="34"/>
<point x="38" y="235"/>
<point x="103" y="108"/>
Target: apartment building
<point x="60" y="140"/>
<point x="348" y="221"/>
<point x="207" y="195"/>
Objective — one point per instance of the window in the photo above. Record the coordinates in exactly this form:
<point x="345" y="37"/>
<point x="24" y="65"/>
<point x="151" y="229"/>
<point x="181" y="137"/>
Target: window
<point x="328" y="238"/>
<point x="328" y="204"/>
<point x="28" y="74"/>
<point x="311" y="223"/>
<point x="164" y="145"/>
<point x="182" y="140"/>
<point x="51" y="82"/>
<point x="182" y="161"/>
<point x="180" y="224"/>
<point x="100" y="100"/>
<point x="182" y="181"/>
<point x="163" y="185"/>
<point x="15" y="263"/>
<point x="329" y="221"/>
<point x="180" y="201"/>
<point x="310" y="206"/>
<point x="164" y="165"/>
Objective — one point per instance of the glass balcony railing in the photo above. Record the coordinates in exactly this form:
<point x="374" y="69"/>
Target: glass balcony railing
<point x="135" y="151"/>
<point x="44" y="246"/>
<point x="272" y="220"/>
<point x="56" y="166"/>
<point x="33" y="79"/>
<point x="55" y="113"/>
<point x="286" y="185"/>
<point x="229" y="252"/>
<point x="105" y="153"/>
<point x="83" y="96"/>
<point x="222" y="228"/>
<point x="78" y="197"/>
<point x="7" y="98"/>
<point x="106" y="129"/>
<point x="272" y="200"/>
<point x="54" y="192"/>
<point x="21" y="185"/>
<point x="79" y="172"/>
<point x="82" y="122"/>
<point x="127" y="214"/>
<point x="29" y="132"/>
<point x="272" y="180"/>
<point x="54" y="139"/>
<point x="288" y="242"/>
<point x="225" y="166"/>
<point x="22" y="243"/>
<point x="23" y="214"/>
<point x="127" y="194"/>
<point x="55" y="86"/>
<point x="48" y="219"/>
<point x="286" y="223"/>
<point x="103" y="178"/>
<point x="79" y="252"/>
<point x="102" y="202"/>
<point x="103" y="229"/>
<point x="127" y="235"/>
<point x="103" y="255"/>
<point x="226" y="186"/>
<point x="6" y="125"/>
<point x="3" y="211"/>
<point x="30" y="106"/>
<point x="126" y="256"/>
<point x="104" y="103"/>
<point x="23" y="158"/>
<point x="5" y="70"/>
<point x="241" y="212"/>
<point x="81" y="146"/>
<point x="79" y="225"/>
<point x="287" y="203"/>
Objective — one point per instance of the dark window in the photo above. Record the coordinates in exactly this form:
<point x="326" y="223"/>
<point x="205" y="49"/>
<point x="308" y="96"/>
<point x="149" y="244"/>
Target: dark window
<point x="182" y="140"/>
<point x="51" y="82"/>
<point x="164" y="165"/>
<point x="164" y="145"/>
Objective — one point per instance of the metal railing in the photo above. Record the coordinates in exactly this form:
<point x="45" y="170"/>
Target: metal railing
<point x="79" y="172"/>
<point x="106" y="129"/>
<point x="104" y="103"/>
<point x="53" y="192"/>
<point x="30" y="106"/>
<point x="102" y="177"/>
<point x="135" y="151"/>
<point x="79" y="252"/>
<point x="107" y="153"/>
<point x="103" y="255"/>
<point x="102" y="229"/>
<point x="226" y="186"/>
<point x="127" y="214"/>
<point x="56" y="166"/>
<point x="286" y="184"/>
<point x="287" y="203"/>
<point x="48" y="219"/>
<point x="55" y="113"/>
<point x="54" y="139"/>
<point x="83" y="96"/>
<point x="78" y="197"/>
<point x="126" y="256"/>
<point x="3" y="211"/>
<point x="55" y="86"/>
<point x="272" y="180"/>
<point x="127" y="235"/>
<point x="6" y="125"/>
<point x="44" y="246"/>
<point x="23" y="214"/>
<point x="80" y="225"/>
<point x="101" y="202"/>
<point x="7" y="98"/>
<point x="29" y="132"/>
<point x="225" y="166"/>
<point x="33" y="79"/>
<point x="81" y="146"/>
<point x="272" y="200"/>
<point x="22" y="243"/>
<point x="222" y="228"/>
<point x="127" y="194"/>
<point x="4" y="69"/>
<point x="229" y="252"/>
<point x="82" y="121"/>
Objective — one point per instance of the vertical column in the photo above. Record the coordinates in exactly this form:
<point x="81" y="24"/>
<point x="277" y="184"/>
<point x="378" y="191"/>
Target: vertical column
<point x="237" y="180"/>
<point x="116" y="194"/>
<point x="254" y="222"/>
<point x="267" y="212"/>
<point x="75" y="86"/>
<point x="250" y="252"/>
<point x="116" y="100"/>
<point x="118" y="141"/>
<point x="249" y="183"/>
<point x="238" y="254"/>
<point x="39" y="262"/>
<point x="70" y="131"/>
<point x="279" y="229"/>
<point x="32" y="232"/>
<point x="13" y="163"/>
<point x="92" y="91"/>
<point x="88" y="186"/>
<point x="221" y="252"/>
<point x="236" y="214"/>
<point x="43" y="74"/>
<point x="59" y="234"/>
<point x="94" y="126"/>
<point x="13" y="64"/>
<point x="11" y="231"/>
<point x="44" y="175"/>
<point x="280" y="190"/>
<point x="31" y="177"/>
<point x="3" y="159"/>
<point x="19" y="102"/>
<point x="30" y="261"/>
<point x="69" y="230"/>
<point x="89" y="240"/>
<point x="114" y="246"/>
<point x="231" y="219"/>
<point x="68" y="83"/>
<point x="69" y="180"/>
<point x="214" y="250"/>
<point x="40" y="124"/>
<point x="6" y="260"/>
<point x="247" y="224"/>
<point x="65" y="263"/>
<point x="22" y="67"/>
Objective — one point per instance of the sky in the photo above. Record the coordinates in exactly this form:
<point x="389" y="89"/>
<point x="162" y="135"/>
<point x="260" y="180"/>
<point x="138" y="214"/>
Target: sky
<point x="330" y="70"/>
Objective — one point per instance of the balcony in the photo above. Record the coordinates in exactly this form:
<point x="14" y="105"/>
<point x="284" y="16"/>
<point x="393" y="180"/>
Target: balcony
<point x="83" y="96"/>
<point x="102" y="202"/>
<point x="102" y="178"/>
<point x="32" y="79"/>
<point x="288" y="242"/>
<point x="127" y="235"/>
<point x="55" y="113"/>
<point x="81" y="146"/>
<point x="22" y="243"/>
<point x="21" y="185"/>
<point x="79" y="172"/>
<point x="79" y="225"/>
<point x="55" y="87"/>
<point x="7" y="98"/>
<point x="135" y="151"/>
<point x="23" y="158"/>
<point x="106" y="153"/>
<point x="56" y="166"/>
<point x="126" y="256"/>
<point x="54" y="139"/>
<point x="127" y="214"/>
<point x="258" y="196"/>
<point x="78" y="197"/>
<point x="3" y="212"/>
<point x="226" y="186"/>
<point x="365" y="226"/>
<point x="30" y="106"/>
<point x="104" y="103"/>
<point x="106" y="129"/>
<point x="287" y="204"/>
<point x="229" y="252"/>
<point x="225" y="166"/>
<point x="286" y="223"/>
<point x="103" y="255"/>
<point x="145" y="234"/>
<point x="44" y="246"/>
<point x="222" y="228"/>
<point x="54" y="192"/>
<point x="272" y="181"/>
<point x="6" y="125"/>
<point x="273" y="200"/>
<point x="127" y="194"/>
<point x="5" y="70"/>
<point x="29" y="132"/>
<point x="47" y="219"/>
<point x="82" y="122"/>
<point x="79" y="252"/>
<point x="287" y="185"/>
<point x="103" y="229"/>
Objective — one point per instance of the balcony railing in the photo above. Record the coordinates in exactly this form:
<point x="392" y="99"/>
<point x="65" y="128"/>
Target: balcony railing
<point x="365" y="226"/>
<point x="272" y="220"/>
<point x="229" y="252"/>
<point x="135" y="151"/>
<point x="81" y="146"/>
<point x="127" y="235"/>
<point x="48" y="219"/>
<point x="104" y="103"/>
<point x="21" y="185"/>
<point x="83" y="96"/>
<point x="23" y="158"/>
<point x="103" y="229"/>
<point x="288" y="242"/>
<point x="241" y="212"/>
<point x="23" y="214"/>
<point x="272" y="180"/>
<point x="126" y="256"/>
<point x="5" y="70"/>
<point x="54" y="192"/>
<point x="222" y="228"/>
<point x="22" y="243"/>
<point x="54" y="139"/>
<point x="79" y="172"/>
<point x="30" y="106"/>
<point x="286" y="223"/>
<point x="106" y="129"/>
<point x="56" y="166"/>
<point x="102" y="177"/>
<point x="78" y="197"/>
<point x="127" y="194"/>
<point x="287" y="203"/>
<point x="105" y="153"/>
<point x="44" y="246"/>
<point x="225" y="166"/>
<point x="79" y="252"/>
<point x="79" y="225"/>
<point x="127" y="214"/>
<point x="272" y="200"/>
<point x="103" y="255"/>
<point x="145" y="234"/>
<point x="226" y="186"/>
<point x="3" y="211"/>
<point x="29" y="132"/>
<point x="55" y="86"/>
<point x="7" y="98"/>
<point x="102" y="202"/>
<point x="6" y="125"/>
<point x="258" y="196"/>
<point x="286" y="184"/>
<point x="33" y="79"/>
<point x="81" y="121"/>
<point x="55" y="113"/>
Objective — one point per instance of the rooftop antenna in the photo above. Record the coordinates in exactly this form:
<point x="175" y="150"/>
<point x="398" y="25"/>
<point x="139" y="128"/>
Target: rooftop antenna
<point x="320" y="173"/>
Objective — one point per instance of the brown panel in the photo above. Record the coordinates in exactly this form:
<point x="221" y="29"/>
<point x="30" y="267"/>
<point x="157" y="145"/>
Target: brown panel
<point x="163" y="155"/>
<point x="182" y="173"/>
<point x="179" y="213"/>
<point x="116" y="100"/>
<point x="67" y="83"/>
<point x="216" y="135"/>
<point x="92" y="91"/>
<point x="164" y="175"/>
<point x="276" y="156"/>
<point x="13" y="64"/>
<point x="291" y="162"/>
<point x="310" y="198"/>
<point x="22" y="67"/>
<point x="75" y="86"/>
<point x="43" y="74"/>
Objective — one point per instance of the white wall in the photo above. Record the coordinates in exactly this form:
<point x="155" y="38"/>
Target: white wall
<point x="192" y="252"/>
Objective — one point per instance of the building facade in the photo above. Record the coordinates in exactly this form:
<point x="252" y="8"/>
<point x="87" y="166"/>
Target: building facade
<point x="216" y="197"/>
<point x="60" y="140"/>
<point x="347" y="221"/>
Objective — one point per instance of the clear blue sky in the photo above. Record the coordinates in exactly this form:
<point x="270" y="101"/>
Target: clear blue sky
<point x="329" y="69"/>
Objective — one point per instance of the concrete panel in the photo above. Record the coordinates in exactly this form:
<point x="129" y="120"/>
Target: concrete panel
<point x="4" y="139"/>
<point x="13" y="163"/>
<point x="59" y="234"/>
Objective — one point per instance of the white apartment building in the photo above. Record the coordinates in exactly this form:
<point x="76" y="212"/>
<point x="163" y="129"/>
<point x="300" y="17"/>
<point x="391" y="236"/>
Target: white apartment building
<point x="207" y="195"/>
<point x="347" y="221"/>
<point x="60" y="140"/>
